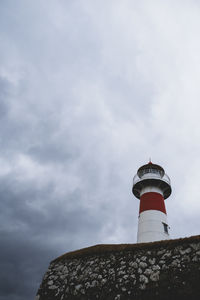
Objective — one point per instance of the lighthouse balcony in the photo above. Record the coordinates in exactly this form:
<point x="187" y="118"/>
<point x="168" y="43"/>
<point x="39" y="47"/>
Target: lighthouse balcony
<point x="151" y="179"/>
<point x="165" y="178"/>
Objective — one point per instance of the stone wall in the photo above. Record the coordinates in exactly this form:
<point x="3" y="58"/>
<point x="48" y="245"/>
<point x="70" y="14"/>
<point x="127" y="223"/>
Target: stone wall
<point x="159" y="270"/>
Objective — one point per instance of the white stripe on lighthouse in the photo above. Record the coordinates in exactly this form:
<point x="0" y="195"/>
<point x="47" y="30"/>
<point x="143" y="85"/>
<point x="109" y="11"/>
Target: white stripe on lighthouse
<point x="151" y="226"/>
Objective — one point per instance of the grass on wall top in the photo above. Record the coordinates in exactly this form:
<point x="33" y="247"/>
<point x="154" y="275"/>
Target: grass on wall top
<point x="111" y="248"/>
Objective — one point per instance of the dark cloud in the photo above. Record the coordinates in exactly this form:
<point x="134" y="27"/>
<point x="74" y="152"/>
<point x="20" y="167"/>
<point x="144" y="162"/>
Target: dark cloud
<point x="31" y="236"/>
<point x="22" y="262"/>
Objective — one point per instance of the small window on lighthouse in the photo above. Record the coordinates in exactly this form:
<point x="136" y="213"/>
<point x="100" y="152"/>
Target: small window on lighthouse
<point x="165" y="228"/>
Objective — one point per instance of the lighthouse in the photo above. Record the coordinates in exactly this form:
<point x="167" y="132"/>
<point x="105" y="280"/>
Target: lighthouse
<point x="151" y="185"/>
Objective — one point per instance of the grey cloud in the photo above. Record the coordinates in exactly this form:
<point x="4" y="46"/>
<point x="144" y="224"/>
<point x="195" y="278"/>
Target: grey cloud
<point x="4" y="91"/>
<point x="27" y="234"/>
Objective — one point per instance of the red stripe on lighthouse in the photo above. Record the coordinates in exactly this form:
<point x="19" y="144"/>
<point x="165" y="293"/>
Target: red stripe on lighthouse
<point x="152" y="201"/>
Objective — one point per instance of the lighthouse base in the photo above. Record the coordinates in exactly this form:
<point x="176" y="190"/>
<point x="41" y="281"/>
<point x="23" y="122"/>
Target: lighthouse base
<point x="152" y="226"/>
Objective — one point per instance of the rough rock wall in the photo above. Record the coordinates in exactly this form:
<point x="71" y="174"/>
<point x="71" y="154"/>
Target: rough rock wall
<point x="160" y="270"/>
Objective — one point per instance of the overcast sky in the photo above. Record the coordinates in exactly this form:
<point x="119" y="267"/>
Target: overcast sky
<point x="89" y="90"/>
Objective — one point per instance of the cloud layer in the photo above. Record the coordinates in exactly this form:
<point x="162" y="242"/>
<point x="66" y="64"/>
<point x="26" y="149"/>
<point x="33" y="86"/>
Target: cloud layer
<point x="89" y="90"/>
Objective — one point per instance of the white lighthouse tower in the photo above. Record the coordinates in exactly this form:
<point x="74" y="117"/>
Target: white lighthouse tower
<point x="152" y="186"/>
